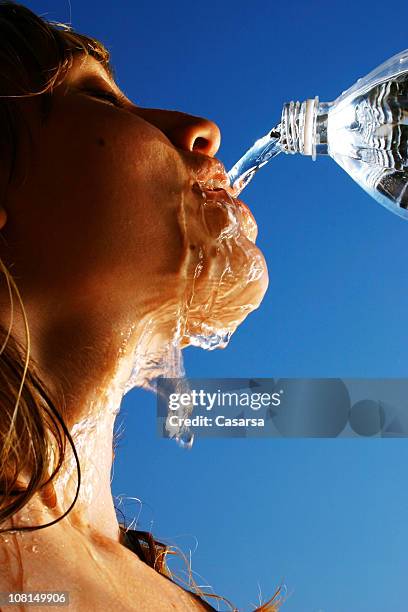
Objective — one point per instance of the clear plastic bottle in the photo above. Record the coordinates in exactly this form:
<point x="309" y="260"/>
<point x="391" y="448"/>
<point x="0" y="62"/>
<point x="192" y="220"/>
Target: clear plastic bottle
<point x="365" y="130"/>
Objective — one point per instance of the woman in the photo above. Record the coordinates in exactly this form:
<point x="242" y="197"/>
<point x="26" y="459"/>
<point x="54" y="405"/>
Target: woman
<point x="121" y="245"/>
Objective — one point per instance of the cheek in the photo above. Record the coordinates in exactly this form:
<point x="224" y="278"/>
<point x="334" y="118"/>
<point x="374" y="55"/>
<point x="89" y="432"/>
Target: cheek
<point x="103" y="205"/>
<point x="137" y="188"/>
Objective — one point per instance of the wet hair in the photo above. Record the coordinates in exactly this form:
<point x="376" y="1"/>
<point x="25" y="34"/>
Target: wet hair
<point x="35" y="56"/>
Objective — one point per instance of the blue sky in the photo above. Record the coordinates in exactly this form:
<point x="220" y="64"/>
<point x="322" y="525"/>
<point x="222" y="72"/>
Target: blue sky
<point x="326" y="516"/>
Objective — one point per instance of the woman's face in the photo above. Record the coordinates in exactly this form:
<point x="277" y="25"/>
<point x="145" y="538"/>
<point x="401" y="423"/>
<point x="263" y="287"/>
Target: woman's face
<point x="116" y="210"/>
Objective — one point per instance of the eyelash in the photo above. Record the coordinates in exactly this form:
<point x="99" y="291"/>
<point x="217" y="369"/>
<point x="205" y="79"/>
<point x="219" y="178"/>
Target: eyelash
<point x="106" y="95"/>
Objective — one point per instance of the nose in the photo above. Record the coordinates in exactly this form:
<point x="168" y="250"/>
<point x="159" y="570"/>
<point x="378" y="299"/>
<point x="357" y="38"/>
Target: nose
<point x="185" y="131"/>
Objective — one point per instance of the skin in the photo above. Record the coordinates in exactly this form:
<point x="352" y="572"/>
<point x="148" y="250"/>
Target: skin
<point x="93" y="228"/>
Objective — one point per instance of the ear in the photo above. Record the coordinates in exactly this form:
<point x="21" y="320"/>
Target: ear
<point x="3" y="217"/>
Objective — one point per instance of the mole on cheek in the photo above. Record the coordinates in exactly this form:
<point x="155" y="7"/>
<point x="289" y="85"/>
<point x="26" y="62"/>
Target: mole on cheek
<point x="101" y="142"/>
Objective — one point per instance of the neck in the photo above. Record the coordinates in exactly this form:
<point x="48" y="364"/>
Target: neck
<point x="88" y="386"/>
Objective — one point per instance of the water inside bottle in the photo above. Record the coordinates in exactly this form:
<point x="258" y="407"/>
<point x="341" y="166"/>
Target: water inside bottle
<point x="368" y="135"/>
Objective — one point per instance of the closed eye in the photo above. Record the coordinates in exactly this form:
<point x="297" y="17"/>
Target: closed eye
<point x="109" y="96"/>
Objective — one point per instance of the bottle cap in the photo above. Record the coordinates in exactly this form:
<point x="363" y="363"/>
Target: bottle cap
<point x="308" y="128"/>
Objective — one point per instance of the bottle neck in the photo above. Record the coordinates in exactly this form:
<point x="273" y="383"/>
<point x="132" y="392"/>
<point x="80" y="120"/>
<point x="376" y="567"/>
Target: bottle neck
<point x="303" y="127"/>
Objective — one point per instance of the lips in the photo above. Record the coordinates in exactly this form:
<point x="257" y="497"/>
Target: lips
<point x="211" y="173"/>
<point x="211" y="178"/>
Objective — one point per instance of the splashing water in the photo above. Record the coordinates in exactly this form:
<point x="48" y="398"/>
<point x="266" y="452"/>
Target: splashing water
<point x="154" y="358"/>
<point x="262" y="151"/>
<point x="222" y="279"/>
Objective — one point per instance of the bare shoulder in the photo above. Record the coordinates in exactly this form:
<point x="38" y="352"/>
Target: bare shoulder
<point x="94" y="580"/>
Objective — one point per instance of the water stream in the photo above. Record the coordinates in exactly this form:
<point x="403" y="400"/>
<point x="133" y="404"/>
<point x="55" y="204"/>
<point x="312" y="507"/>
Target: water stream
<point x="261" y="152"/>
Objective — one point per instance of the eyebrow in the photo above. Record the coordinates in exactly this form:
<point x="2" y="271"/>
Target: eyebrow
<point x="110" y="72"/>
<point x="99" y="61"/>
<point x="106" y="65"/>
<point x="109" y="69"/>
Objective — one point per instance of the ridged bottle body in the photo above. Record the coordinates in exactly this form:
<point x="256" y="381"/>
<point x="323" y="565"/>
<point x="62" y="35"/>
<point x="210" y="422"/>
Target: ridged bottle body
<point x="365" y="131"/>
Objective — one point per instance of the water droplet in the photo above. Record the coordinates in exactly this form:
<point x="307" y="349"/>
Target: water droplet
<point x="185" y="439"/>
